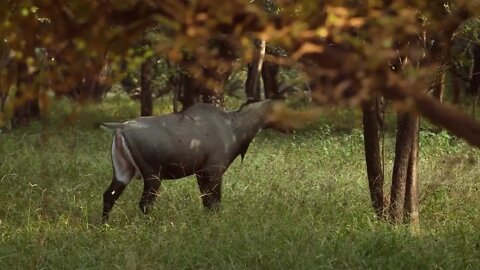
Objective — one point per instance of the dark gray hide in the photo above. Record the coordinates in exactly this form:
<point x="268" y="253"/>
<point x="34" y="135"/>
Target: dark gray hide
<point x="202" y="140"/>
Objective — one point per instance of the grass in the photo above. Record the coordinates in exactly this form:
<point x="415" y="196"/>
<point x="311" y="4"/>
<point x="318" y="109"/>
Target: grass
<point x="298" y="201"/>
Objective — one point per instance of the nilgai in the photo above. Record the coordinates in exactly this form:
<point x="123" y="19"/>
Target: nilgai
<point x="202" y="140"/>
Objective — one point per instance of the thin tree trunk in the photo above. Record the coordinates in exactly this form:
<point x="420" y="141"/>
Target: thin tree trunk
<point x="411" y="192"/>
<point x="404" y="140"/>
<point x="252" y="87"/>
<point x="176" y="81"/>
<point x="146" y="103"/>
<point x="88" y="89"/>
<point x="254" y="69"/>
<point x="456" y="88"/>
<point x="263" y="46"/>
<point x="475" y="71"/>
<point x="190" y="93"/>
<point x="270" y="85"/>
<point x="373" y="156"/>
<point x="438" y="86"/>
<point x="3" y="89"/>
<point x="215" y="97"/>
<point x="26" y="97"/>
<point x="218" y="74"/>
<point x="213" y="93"/>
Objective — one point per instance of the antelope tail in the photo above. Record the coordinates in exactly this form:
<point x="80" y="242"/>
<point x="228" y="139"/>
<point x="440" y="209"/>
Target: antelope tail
<point x="111" y="126"/>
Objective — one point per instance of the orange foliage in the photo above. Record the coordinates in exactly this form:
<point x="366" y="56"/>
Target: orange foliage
<point x="351" y="51"/>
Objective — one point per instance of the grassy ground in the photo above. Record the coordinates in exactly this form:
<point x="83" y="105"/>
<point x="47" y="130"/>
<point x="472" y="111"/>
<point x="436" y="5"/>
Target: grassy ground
<point x="298" y="201"/>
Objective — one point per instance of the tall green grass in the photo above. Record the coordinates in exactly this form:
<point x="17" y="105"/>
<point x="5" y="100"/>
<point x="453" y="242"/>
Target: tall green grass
<point x="298" y="201"/>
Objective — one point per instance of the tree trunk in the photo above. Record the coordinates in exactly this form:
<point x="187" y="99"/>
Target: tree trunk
<point x="438" y="87"/>
<point x="4" y="85"/>
<point x="254" y="69"/>
<point x="26" y="98"/>
<point x="270" y="85"/>
<point x="148" y="71"/>
<point x="411" y="192"/>
<point x="212" y="92"/>
<point x="89" y="89"/>
<point x="373" y="157"/>
<point x="406" y="127"/>
<point x="475" y="71"/>
<point x="191" y="91"/>
<point x="456" y="87"/>
<point x="214" y="97"/>
<point x="216" y="74"/>
<point x="252" y="86"/>
<point x="176" y="81"/>
<point x="26" y="111"/>
<point x="93" y="85"/>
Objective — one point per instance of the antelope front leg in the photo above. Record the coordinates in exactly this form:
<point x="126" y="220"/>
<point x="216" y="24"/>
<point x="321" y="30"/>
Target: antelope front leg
<point x="211" y="190"/>
<point x="150" y="192"/>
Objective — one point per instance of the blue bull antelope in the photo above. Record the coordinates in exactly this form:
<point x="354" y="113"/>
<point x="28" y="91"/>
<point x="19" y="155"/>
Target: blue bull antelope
<point x="202" y="141"/>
